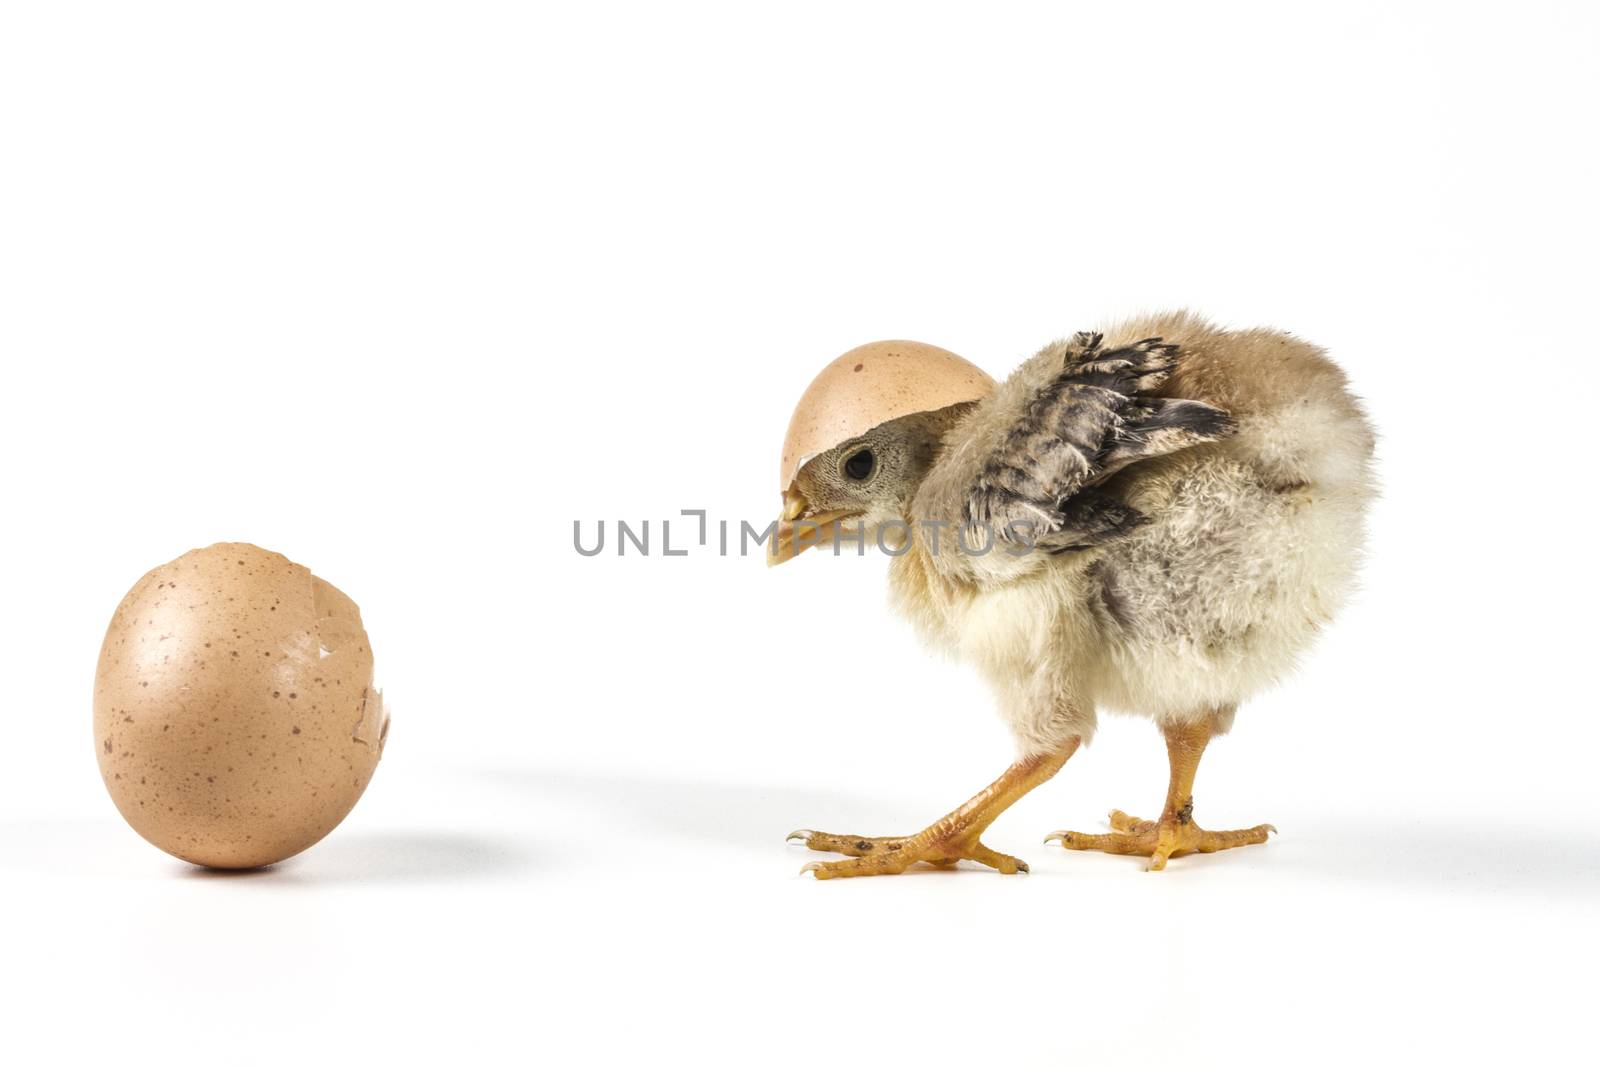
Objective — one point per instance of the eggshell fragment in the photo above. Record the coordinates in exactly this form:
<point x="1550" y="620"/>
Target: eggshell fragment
<point x="870" y="385"/>
<point x="234" y="713"/>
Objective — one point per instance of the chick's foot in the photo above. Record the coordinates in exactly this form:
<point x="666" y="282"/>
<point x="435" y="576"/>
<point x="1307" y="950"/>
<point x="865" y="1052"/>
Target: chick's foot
<point x="1174" y="834"/>
<point x="940" y="847"/>
<point x="948" y="841"/>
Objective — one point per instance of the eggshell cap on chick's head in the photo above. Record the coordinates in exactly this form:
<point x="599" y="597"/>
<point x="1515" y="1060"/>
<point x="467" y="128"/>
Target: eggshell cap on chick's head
<point x="870" y="385"/>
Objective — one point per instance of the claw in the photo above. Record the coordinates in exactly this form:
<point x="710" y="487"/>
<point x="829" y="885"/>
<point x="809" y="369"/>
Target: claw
<point x="809" y="868"/>
<point x="1059" y="835"/>
<point x="801" y="836"/>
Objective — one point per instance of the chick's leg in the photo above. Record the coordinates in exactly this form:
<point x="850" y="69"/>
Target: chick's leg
<point x="952" y="838"/>
<point x="1175" y="833"/>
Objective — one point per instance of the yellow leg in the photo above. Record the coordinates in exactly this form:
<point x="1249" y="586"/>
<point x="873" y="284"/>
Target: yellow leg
<point x="1175" y="833"/>
<point x="952" y="838"/>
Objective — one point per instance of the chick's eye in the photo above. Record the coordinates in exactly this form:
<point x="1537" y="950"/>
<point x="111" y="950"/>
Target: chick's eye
<point x="860" y="465"/>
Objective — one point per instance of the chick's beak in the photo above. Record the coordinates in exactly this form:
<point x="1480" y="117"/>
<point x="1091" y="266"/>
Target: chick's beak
<point x="800" y="528"/>
<point x="794" y="505"/>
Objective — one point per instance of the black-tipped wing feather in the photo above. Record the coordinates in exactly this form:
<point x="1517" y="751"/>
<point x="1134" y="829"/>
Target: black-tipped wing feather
<point x="1094" y="418"/>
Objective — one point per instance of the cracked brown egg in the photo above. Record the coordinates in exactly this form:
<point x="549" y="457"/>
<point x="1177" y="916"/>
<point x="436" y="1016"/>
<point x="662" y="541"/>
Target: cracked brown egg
<point x="234" y="713"/>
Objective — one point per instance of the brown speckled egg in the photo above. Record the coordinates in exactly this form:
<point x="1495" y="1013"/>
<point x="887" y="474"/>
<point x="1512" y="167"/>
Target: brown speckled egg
<point x="867" y="387"/>
<point x="234" y="713"/>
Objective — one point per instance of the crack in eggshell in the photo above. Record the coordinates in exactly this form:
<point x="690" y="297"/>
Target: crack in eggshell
<point x="374" y="717"/>
<point x="338" y="626"/>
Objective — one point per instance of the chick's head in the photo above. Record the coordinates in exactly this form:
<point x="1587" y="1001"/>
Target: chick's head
<point x="863" y="436"/>
<point x="864" y="483"/>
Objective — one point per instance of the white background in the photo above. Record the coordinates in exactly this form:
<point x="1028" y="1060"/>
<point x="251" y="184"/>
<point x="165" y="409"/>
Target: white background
<point x="401" y="290"/>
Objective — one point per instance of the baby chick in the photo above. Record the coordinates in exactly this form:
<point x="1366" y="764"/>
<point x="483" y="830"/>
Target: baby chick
<point x="1154" y="520"/>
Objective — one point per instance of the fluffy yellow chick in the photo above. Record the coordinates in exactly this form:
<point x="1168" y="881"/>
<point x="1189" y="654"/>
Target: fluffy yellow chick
<point x="1154" y="520"/>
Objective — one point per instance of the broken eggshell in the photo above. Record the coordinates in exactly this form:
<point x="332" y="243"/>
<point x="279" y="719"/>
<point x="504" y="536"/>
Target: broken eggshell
<point x="234" y="713"/>
<point x="868" y="386"/>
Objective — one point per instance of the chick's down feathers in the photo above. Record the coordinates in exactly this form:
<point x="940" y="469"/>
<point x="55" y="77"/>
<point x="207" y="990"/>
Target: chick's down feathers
<point x="1195" y="498"/>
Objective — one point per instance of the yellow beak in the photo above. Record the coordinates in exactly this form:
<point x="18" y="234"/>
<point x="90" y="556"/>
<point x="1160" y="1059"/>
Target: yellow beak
<point x="799" y="528"/>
